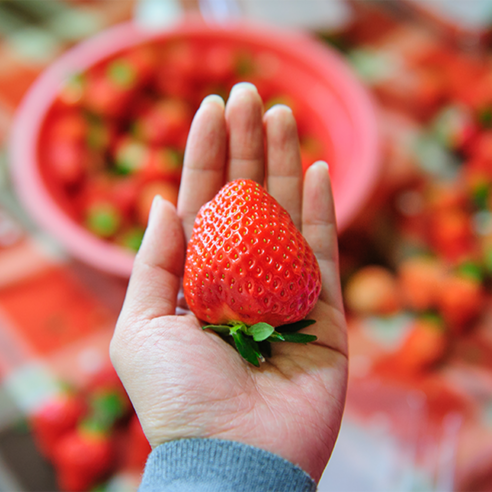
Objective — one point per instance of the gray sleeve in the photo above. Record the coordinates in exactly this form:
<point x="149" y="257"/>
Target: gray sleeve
<point x="213" y="465"/>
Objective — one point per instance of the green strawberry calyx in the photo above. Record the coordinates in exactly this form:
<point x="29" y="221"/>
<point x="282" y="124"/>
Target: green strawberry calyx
<point x="253" y="342"/>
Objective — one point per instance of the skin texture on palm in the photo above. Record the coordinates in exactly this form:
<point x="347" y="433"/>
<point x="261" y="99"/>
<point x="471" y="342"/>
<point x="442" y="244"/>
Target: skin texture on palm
<point x="185" y="382"/>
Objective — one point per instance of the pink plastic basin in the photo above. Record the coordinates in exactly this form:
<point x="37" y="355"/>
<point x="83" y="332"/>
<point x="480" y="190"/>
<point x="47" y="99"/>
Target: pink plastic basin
<point x="315" y="75"/>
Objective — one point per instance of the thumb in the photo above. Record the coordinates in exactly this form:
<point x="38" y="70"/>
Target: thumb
<point x="158" y="266"/>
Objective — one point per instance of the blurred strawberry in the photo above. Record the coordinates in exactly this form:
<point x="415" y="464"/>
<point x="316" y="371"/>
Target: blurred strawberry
<point x="67" y="161"/>
<point x="167" y="190"/>
<point x="425" y="345"/>
<point x="138" y="446"/>
<point x="108" y="93"/>
<point x="183" y="56"/>
<point x="461" y="300"/>
<point x="130" y="155"/>
<point x="108" y="401"/>
<point x="69" y="126"/>
<point x="218" y="63"/>
<point x="123" y="192"/>
<point x="102" y="217"/>
<point x="451" y="234"/>
<point x="55" y="418"/>
<point x="83" y="457"/>
<point x="373" y="290"/>
<point x="163" y="163"/>
<point x="130" y="238"/>
<point x="166" y="123"/>
<point x="142" y="62"/>
<point x="420" y="280"/>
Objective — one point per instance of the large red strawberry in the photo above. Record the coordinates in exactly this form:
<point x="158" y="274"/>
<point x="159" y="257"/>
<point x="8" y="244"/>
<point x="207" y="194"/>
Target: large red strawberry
<point x="248" y="267"/>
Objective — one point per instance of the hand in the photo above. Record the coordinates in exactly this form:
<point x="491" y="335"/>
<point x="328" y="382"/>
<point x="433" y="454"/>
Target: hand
<point x="185" y="382"/>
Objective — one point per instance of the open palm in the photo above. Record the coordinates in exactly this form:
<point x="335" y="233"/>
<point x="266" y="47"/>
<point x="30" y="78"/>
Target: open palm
<point x="185" y="382"/>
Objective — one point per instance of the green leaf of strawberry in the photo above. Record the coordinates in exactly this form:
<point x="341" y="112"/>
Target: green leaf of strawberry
<point x="299" y="337"/>
<point x="295" y="327"/>
<point x="260" y="331"/>
<point x="247" y="347"/>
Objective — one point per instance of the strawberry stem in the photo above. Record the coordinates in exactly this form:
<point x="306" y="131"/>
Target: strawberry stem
<point x="253" y="342"/>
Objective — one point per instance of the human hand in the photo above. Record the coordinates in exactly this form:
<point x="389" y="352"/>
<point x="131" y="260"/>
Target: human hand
<point x="185" y="382"/>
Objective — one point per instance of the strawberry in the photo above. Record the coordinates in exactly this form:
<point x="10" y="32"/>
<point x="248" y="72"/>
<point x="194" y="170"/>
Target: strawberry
<point x="248" y="269"/>
<point x="425" y="345"/>
<point x="83" y="457"/>
<point x="461" y="301"/>
<point x="373" y="290"/>
<point x="138" y="448"/>
<point x="167" y="122"/>
<point x="167" y="190"/>
<point x="55" y="418"/>
<point x="102" y="218"/>
<point x="67" y="161"/>
<point x="421" y="279"/>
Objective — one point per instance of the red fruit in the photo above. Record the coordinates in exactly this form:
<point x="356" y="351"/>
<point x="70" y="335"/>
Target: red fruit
<point x="450" y="233"/>
<point x="67" y="161"/>
<point x="69" y="126"/>
<point x="247" y="262"/>
<point x="55" y="418"/>
<point x="140" y="62"/>
<point x="373" y="290"/>
<point x="183" y="57"/>
<point x="130" y="155"/>
<point x="420" y="280"/>
<point x="460" y="301"/>
<point x="138" y="446"/>
<point x="163" y="164"/>
<point x="218" y="63"/>
<point x="425" y="345"/>
<point x="107" y="397"/>
<point x="82" y="458"/>
<point x="166" y="123"/>
<point x="107" y="96"/>
<point x="124" y="192"/>
<point x="168" y="191"/>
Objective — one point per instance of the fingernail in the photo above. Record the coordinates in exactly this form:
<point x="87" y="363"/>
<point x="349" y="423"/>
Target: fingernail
<point x="214" y="98"/>
<point x="322" y="164"/>
<point x="244" y="86"/>
<point x="155" y="203"/>
<point x="281" y="106"/>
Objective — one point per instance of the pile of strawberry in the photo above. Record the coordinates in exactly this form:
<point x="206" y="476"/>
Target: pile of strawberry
<point x="433" y="238"/>
<point x="115" y="136"/>
<point x="88" y="435"/>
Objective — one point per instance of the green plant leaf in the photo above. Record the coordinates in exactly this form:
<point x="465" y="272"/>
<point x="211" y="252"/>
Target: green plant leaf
<point x="260" y="331"/>
<point x="276" y="337"/>
<point x="294" y="327"/>
<point x="224" y="329"/>
<point x="265" y="349"/>
<point x="299" y="337"/>
<point x="247" y="347"/>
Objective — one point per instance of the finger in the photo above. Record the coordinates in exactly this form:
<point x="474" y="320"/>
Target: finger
<point x="158" y="266"/>
<point x="244" y="115"/>
<point x="320" y="230"/>
<point x="204" y="162"/>
<point x="284" y="169"/>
